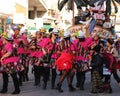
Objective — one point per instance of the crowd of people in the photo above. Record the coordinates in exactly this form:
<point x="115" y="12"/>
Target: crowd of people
<point x="50" y="52"/>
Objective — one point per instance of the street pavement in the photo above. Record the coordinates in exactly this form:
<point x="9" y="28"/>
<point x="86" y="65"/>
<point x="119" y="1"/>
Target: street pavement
<point x="28" y="88"/>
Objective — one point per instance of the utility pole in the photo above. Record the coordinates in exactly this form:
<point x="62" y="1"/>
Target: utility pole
<point x="73" y="19"/>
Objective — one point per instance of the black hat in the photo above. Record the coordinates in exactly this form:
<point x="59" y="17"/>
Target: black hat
<point x="97" y="48"/>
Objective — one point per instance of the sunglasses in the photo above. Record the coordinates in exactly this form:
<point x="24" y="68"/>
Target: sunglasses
<point x="56" y="34"/>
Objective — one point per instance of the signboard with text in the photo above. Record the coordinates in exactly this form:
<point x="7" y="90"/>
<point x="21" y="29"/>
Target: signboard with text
<point x="98" y="29"/>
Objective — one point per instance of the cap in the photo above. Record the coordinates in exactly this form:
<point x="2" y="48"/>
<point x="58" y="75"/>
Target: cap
<point x="66" y="34"/>
<point x="23" y="30"/>
<point x="55" y="31"/>
<point x="81" y="34"/>
<point x="16" y="28"/>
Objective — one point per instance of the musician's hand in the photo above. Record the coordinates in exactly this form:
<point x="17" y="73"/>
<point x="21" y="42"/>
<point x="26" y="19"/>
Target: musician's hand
<point x="2" y="59"/>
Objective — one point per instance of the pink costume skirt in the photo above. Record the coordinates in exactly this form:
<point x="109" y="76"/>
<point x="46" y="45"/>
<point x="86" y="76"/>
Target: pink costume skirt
<point x="36" y="54"/>
<point x="10" y="60"/>
<point x="21" y="50"/>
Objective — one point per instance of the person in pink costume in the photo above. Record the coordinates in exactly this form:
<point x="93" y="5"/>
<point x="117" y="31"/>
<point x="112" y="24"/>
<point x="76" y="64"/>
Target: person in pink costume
<point x="65" y="65"/>
<point x="1" y="45"/>
<point x="23" y="53"/>
<point x="18" y="44"/>
<point x="54" y="56"/>
<point x="36" y="56"/>
<point x="50" y="55"/>
<point x="9" y="62"/>
<point x="81" y="63"/>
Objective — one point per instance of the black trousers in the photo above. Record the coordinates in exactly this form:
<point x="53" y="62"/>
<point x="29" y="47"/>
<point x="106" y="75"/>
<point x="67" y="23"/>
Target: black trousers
<point x="116" y="76"/>
<point x="36" y="74"/>
<point x="80" y="76"/>
<point x="26" y="73"/>
<point x="15" y="81"/>
<point x="46" y="74"/>
<point x="21" y="77"/>
<point x="53" y="77"/>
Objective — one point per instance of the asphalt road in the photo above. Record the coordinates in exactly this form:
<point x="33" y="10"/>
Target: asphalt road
<point x="28" y="88"/>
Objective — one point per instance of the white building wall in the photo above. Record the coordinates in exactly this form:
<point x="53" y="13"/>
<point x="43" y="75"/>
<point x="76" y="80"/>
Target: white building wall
<point x="7" y="6"/>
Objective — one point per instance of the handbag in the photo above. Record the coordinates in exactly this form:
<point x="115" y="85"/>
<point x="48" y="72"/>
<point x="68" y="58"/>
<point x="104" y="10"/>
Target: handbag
<point x="82" y="66"/>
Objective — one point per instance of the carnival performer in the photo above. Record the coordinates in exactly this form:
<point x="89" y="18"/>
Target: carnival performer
<point x="22" y="51"/>
<point x="81" y="61"/>
<point x="54" y="56"/>
<point x="111" y="54"/>
<point x="18" y="44"/>
<point x="65" y="62"/>
<point x="26" y="53"/>
<point x="1" y="45"/>
<point x="48" y="47"/>
<point x="35" y="56"/>
<point x="9" y="62"/>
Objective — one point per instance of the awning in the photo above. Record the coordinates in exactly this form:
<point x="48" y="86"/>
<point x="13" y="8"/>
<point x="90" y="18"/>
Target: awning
<point x="40" y="4"/>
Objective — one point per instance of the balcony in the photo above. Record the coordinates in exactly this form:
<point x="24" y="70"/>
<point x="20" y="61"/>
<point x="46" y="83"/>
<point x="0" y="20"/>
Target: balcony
<point x="37" y="8"/>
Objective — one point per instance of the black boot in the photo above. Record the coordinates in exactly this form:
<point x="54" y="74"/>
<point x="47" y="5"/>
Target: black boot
<point x="26" y="74"/>
<point x="71" y="88"/>
<point x="36" y="82"/>
<point x="59" y="88"/>
<point x="81" y="85"/>
<point x="20" y="82"/>
<point x="27" y="78"/>
<point x="52" y="86"/>
<point x="44" y="85"/>
<point x="77" y="85"/>
<point x="3" y="91"/>
<point x="107" y="88"/>
<point x="16" y="92"/>
<point x="110" y="89"/>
